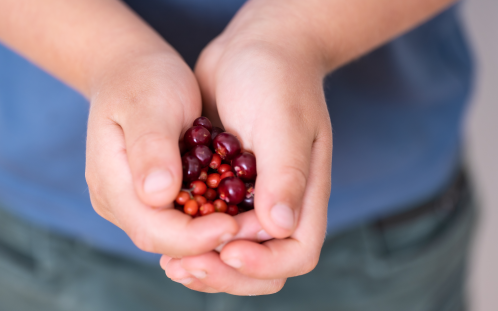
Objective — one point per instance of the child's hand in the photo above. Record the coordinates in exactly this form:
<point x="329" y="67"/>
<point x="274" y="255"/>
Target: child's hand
<point x="269" y="94"/>
<point x="138" y="111"/>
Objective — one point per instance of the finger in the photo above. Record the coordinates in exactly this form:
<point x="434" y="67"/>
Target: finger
<point x="298" y="254"/>
<point x="213" y="273"/>
<point x="158" y="230"/>
<point x="152" y="126"/>
<point x="250" y="229"/>
<point x="176" y="273"/>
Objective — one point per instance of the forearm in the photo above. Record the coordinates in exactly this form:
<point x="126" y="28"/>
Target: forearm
<point x="333" y="32"/>
<point x="76" y="40"/>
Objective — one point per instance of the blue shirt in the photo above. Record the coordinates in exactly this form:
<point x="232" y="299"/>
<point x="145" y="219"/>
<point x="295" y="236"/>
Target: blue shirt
<point x="396" y="113"/>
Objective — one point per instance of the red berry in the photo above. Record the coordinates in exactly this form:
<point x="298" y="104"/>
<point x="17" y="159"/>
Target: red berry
<point x="203" y="154"/>
<point x="220" y="206"/>
<point x="206" y="209"/>
<point x="203" y="121"/>
<point x="200" y="199"/>
<point x="213" y="180"/>
<point x="215" y="161"/>
<point x="215" y="132"/>
<point x="244" y="166"/>
<point x="198" y="187"/>
<point x="182" y="146"/>
<point x="232" y="190"/>
<point x="227" y="174"/>
<point x="204" y="174"/>
<point x="182" y="198"/>
<point x="191" y="168"/>
<point x="248" y="202"/>
<point x="197" y="135"/>
<point x="232" y="210"/>
<point x="227" y="146"/>
<point x="191" y="207"/>
<point x="210" y="194"/>
<point x="224" y="168"/>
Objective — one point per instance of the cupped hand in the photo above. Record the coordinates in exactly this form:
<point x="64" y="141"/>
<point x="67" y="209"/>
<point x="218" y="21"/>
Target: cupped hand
<point x="267" y="90"/>
<point x="140" y="107"/>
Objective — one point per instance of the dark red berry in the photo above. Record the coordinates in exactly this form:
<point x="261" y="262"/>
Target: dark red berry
<point x="197" y="135"/>
<point x="206" y="209"/>
<point x="204" y="174"/>
<point x="224" y="168"/>
<point x="191" y="207"/>
<point x="210" y="194"/>
<point x="220" y="206"/>
<point x="203" y="154"/>
<point x="191" y="168"/>
<point x="248" y="202"/>
<point x="213" y="180"/>
<point x="215" y="161"/>
<point x="227" y="146"/>
<point x="232" y="190"/>
<point x="215" y="132"/>
<point x="203" y="121"/>
<point x="200" y="199"/>
<point x="232" y="210"/>
<point x="182" y="198"/>
<point x="244" y="166"/>
<point x="198" y="187"/>
<point x="227" y="174"/>
<point x="182" y="146"/>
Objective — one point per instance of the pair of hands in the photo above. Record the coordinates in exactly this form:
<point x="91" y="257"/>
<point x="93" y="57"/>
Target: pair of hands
<point x="265" y="87"/>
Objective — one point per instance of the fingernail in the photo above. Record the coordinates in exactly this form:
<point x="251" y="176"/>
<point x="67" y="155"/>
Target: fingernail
<point x="225" y="238"/>
<point x="263" y="236"/>
<point x="282" y="216"/>
<point x="157" y="181"/>
<point x="184" y="281"/>
<point x="220" y="247"/>
<point x="199" y="274"/>
<point x="233" y="262"/>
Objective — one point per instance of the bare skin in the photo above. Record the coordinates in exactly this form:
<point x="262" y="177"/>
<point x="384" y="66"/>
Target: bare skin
<point x="261" y="78"/>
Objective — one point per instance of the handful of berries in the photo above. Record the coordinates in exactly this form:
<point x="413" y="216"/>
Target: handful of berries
<point x="217" y="175"/>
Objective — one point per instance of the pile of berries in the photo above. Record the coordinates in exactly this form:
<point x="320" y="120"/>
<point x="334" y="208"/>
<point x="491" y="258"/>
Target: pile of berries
<point x="217" y="175"/>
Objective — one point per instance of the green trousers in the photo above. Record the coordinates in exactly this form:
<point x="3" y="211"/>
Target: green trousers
<point x="419" y="265"/>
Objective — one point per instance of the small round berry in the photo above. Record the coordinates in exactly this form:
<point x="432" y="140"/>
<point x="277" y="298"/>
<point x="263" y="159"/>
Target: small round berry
<point x="191" y="168"/>
<point x="204" y="174"/>
<point x="203" y="154"/>
<point x="227" y="174"/>
<point x="213" y="180"/>
<point x="203" y="121"/>
<point x="227" y="146"/>
<point x="215" y="132"/>
<point x="220" y="206"/>
<point x="210" y="194"/>
<point x="224" y="168"/>
<point x="232" y="210"/>
<point x="215" y="161"/>
<point x="232" y="190"/>
<point x="248" y="202"/>
<point x="206" y="209"/>
<point x="200" y="199"/>
<point x="244" y="166"/>
<point x="191" y="207"/>
<point x="182" y="197"/>
<point x="183" y="147"/>
<point x="197" y="135"/>
<point x="198" y="187"/>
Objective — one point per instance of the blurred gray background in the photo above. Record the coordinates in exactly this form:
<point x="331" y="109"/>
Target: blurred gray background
<point x="481" y="17"/>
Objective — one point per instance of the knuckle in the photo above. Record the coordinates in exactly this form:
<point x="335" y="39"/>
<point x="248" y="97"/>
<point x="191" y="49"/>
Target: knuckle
<point x="309" y="265"/>
<point x="275" y="286"/>
<point x="141" y="238"/>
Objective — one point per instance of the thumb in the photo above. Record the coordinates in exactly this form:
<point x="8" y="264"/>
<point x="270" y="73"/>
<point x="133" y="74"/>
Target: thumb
<point x="151" y="135"/>
<point x="283" y="151"/>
